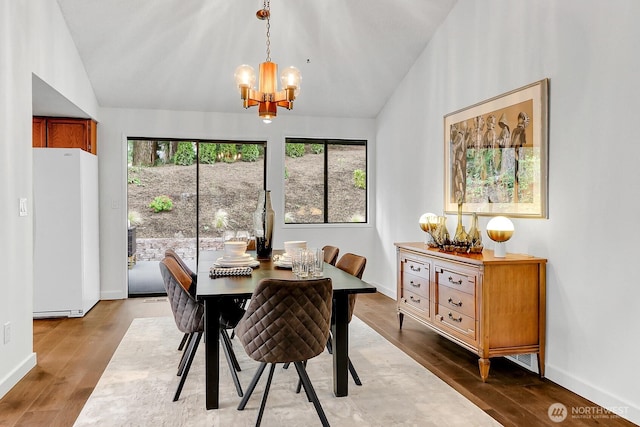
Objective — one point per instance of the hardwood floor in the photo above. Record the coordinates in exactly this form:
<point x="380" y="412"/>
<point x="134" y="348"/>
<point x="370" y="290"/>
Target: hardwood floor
<point x="73" y="353"/>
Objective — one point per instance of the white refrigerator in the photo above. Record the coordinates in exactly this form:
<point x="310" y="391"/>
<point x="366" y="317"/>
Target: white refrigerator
<point x="66" y="266"/>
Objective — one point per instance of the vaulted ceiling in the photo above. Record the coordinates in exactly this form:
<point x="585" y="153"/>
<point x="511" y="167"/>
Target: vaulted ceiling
<point x="182" y="54"/>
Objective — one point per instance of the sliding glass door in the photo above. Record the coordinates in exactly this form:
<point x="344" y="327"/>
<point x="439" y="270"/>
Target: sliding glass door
<point x="184" y="195"/>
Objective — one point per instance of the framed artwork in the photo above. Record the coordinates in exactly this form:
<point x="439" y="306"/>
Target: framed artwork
<point x="496" y="155"/>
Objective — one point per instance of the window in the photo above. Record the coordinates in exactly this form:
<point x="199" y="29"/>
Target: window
<point x="325" y="181"/>
<point x="212" y="185"/>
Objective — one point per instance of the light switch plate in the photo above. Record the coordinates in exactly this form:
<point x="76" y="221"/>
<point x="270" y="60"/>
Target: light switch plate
<point x="7" y="333"/>
<point x="23" y="207"/>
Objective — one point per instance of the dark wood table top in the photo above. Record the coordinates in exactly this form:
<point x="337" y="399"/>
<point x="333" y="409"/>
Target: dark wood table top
<point x="244" y="285"/>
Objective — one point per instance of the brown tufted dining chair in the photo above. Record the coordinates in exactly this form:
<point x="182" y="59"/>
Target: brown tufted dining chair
<point x="330" y="254"/>
<point x="286" y="321"/>
<point x="192" y="289"/>
<point x="354" y="265"/>
<point x="188" y="314"/>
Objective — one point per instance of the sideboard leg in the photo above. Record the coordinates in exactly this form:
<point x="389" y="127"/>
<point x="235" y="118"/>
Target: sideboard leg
<point x="400" y="318"/>
<point x="541" y="363"/>
<point x="484" y="365"/>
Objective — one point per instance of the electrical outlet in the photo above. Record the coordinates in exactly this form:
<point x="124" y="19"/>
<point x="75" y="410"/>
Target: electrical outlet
<point x="7" y="332"/>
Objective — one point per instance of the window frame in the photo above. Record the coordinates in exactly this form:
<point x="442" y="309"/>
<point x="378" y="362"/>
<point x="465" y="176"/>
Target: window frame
<point x="326" y="142"/>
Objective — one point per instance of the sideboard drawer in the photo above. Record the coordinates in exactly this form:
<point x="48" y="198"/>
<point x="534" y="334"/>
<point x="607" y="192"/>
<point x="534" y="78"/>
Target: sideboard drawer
<point x="416" y="301"/>
<point x="457" y="300"/>
<point x="415" y="267"/>
<point x="456" y="279"/>
<point x="457" y="321"/>
<point x="417" y="285"/>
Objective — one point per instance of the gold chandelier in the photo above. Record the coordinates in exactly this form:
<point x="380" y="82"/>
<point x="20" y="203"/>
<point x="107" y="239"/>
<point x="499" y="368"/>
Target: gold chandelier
<point x="267" y="97"/>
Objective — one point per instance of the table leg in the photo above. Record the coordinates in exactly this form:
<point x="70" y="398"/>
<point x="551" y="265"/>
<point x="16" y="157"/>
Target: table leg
<point x="212" y="352"/>
<point x="340" y="332"/>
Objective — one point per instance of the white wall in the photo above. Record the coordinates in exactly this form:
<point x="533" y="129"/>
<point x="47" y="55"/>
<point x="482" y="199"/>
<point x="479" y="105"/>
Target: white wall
<point x="16" y="238"/>
<point x="33" y="39"/>
<point x="118" y="124"/>
<point x="588" y="51"/>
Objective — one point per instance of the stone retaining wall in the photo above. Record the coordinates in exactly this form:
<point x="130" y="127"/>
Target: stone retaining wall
<point x="153" y="249"/>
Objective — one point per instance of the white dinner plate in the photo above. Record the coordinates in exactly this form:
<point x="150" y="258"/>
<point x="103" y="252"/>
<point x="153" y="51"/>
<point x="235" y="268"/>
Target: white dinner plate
<point x="282" y="264"/>
<point x="221" y="262"/>
<point x="244" y="257"/>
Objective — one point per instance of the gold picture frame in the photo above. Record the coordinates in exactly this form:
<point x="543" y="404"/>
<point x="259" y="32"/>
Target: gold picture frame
<point x="496" y="155"/>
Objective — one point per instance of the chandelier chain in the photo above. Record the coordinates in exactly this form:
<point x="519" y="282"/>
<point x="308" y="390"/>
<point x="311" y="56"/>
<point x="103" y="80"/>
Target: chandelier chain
<point x="267" y="8"/>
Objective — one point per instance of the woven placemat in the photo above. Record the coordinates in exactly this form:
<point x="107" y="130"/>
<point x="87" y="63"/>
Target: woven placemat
<point x="230" y="271"/>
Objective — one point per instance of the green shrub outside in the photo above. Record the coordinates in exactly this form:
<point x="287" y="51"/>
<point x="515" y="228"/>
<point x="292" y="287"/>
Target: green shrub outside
<point x="185" y="154"/>
<point x="208" y="153"/>
<point x="360" y="178"/>
<point x="250" y="152"/>
<point x="161" y="203"/>
<point x="317" y="148"/>
<point x="227" y="152"/>
<point x="294" y="150"/>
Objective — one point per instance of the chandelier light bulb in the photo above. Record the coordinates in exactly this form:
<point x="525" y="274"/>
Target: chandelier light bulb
<point x="290" y="78"/>
<point x="245" y="76"/>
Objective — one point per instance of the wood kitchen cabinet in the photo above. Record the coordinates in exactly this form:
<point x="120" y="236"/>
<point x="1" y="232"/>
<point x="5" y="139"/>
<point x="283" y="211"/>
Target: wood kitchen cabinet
<point x="56" y="132"/>
<point x="39" y="132"/>
<point x="490" y="306"/>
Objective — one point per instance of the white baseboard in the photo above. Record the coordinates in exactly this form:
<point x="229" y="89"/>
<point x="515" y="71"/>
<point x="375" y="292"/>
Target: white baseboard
<point x="391" y="293"/>
<point x="616" y="405"/>
<point x="110" y="295"/>
<point x="17" y="374"/>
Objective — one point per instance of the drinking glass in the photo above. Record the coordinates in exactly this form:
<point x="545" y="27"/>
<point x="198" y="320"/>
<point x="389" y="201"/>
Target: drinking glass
<point x="295" y="262"/>
<point x="228" y="235"/>
<point x="242" y="235"/>
<point x="304" y="264"/>
<point x="318" y="263"/>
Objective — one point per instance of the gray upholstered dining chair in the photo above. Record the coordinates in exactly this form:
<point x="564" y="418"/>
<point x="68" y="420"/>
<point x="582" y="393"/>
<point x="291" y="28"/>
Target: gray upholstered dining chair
<point x="194" y="277"/>
<point x="286" y="321"/>
<point x="330" y="254"/>
<point x="231" y="312"/>
<point x="188" y="314"/>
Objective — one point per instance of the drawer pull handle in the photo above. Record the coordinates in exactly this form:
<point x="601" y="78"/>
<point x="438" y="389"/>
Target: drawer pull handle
<point x="415" y="269"/>
<point x="459" y="319"/>
<point x="457" y="304"/>
<point x="459" y="282"/>
<point x="414" y="299"/>
<point x="415" y="285"/>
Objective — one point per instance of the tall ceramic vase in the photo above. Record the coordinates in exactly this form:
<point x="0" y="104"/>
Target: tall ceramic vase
<point x="263" y="221"/>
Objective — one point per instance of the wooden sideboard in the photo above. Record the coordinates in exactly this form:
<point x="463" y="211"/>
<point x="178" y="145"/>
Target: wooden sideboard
<point x="490" y="306"/>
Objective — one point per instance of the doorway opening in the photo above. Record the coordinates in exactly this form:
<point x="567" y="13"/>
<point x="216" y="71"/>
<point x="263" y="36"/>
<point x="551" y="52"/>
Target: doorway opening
<point x="184" y="195"/>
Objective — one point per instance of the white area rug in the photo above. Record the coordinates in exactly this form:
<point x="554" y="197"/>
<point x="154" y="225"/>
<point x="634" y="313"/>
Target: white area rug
<point x="138" y="385"/>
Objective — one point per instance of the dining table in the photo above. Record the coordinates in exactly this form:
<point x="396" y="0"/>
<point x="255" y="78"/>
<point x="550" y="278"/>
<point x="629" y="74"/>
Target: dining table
<point x="213" y="290"/>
